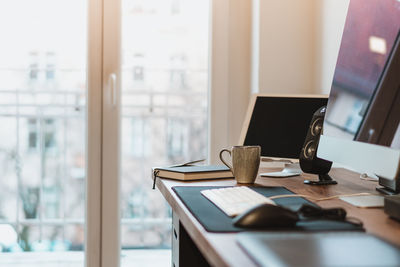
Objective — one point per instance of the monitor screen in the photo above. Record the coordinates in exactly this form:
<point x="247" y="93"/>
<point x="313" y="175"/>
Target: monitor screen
<point x="369" y="36"/>
<point x="279" y="124"/>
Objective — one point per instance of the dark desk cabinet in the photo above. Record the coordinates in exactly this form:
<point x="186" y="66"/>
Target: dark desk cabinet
<point x="184" y="250"/>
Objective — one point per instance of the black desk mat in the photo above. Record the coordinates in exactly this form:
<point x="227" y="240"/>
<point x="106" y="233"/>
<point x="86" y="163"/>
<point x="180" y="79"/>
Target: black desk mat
<point x="215" y="220"/>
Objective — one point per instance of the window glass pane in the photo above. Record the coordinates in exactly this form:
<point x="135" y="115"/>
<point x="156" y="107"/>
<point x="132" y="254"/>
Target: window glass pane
<point x="43" y="128"/>
<point x="164" y="107"/>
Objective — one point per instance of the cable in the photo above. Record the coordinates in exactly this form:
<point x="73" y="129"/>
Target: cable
<point x="323" y="198"/>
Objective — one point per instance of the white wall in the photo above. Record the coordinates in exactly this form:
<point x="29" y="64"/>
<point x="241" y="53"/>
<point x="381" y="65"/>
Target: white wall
<point x="287" y="44"/>
<point x="298" y="44"/>
<point x="330" y="18"/>
<point x="230" y="72"/>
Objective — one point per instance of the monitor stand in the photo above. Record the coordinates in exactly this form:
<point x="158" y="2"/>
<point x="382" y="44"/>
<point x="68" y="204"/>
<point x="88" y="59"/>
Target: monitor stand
<point x="324" y="179"/>
<point x="389" y="187"/>
<point x="385" y="191"/>
<point x="290" y="170"/>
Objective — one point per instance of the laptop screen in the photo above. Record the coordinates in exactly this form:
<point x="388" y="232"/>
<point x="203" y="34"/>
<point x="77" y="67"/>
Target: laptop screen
<point x="279" y="124"/>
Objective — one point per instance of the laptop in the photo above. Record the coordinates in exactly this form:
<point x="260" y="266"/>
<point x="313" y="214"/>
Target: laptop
<point x="279" y="124"/>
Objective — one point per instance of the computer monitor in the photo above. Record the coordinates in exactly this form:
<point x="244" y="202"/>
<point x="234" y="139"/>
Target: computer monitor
<point x="361" y="127"/>
<point x="279" y="123"/>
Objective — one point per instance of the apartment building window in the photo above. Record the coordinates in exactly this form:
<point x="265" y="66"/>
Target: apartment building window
<point x="33" y="66"/>
<point x="178" y="71"/>
<point x="141" y="137"/>
<point x="34" y="71"/>
<point x="175" y="7"/>
<point x="354" y="118"/>
<point x="32" y="134"/>
<point x="48" y="132"/>
<point x="50" y="66"/>
<point x="177" y="138"/>
<point x="138" y="68"/>
<point x="138" y="73"/>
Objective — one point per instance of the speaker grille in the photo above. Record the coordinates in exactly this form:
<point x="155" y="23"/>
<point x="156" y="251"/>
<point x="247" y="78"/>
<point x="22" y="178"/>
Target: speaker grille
<point x="316" y="127"/>
<point x="309" y="149"/>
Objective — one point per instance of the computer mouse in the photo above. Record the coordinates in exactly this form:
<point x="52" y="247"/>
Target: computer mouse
<point x="265" y="216"/>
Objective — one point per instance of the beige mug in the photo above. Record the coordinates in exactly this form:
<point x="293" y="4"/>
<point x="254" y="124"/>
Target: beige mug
<point x="245" y="162"/>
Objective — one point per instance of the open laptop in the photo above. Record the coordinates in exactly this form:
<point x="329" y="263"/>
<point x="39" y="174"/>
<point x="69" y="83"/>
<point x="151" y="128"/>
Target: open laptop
<point x="279" y="124"/>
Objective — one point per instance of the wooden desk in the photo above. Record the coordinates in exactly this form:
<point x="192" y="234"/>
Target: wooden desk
<point x="221" y="249"/>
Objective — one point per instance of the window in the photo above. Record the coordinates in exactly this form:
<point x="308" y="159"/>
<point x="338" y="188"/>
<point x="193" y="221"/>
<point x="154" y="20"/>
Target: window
<point x="178" y="72"/>
<point x="138" y="73"/>
<point x="48" y="133"/>
<point x="50" y="66"/>
<point x="178" y="137"/>
<point x="43" y="136"/>
<point x="34" y="66"/>
<point x="354" y="118"/>
<point x="141" y="138"/>
<point x="138" y="68"/>
<point x="32" y="135"/>
<point x="45" y="118"/>
<point x="175" y="7"/>
<point x="161" y="123"/>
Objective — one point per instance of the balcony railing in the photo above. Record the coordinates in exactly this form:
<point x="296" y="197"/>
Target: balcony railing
<point x="63" y="105"/>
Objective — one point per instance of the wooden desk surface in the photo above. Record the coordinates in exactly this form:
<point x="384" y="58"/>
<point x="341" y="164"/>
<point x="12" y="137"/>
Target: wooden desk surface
<point x="221" y="249"/>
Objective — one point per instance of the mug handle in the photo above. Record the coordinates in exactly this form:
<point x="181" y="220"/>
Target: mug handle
<point x="222" y="159"/>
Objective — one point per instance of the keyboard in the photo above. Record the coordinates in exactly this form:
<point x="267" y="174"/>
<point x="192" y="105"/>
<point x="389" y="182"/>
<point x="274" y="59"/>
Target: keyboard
<point x="234" y="201"/>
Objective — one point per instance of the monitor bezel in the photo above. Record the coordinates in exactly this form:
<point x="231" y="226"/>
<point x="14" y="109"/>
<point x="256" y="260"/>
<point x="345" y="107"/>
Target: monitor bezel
<point x="363" y="157"/>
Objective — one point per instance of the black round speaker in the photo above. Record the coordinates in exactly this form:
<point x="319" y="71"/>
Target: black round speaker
<point x="316" y="127"/>
<point x="309" y="149"/>
<point x="309" y="162"/>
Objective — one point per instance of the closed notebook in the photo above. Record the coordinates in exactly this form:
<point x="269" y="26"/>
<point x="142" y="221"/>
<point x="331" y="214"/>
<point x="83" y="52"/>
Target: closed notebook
<point x="194" y="172"/>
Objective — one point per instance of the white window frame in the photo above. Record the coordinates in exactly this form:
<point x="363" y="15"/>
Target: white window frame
<point x="102" y="241"/>
<point x="93" y="213"/>
<point x="110" y="228"/>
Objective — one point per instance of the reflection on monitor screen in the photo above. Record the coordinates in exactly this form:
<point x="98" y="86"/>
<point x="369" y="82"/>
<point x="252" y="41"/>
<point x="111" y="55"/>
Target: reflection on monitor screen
<point x="370" y="32"/>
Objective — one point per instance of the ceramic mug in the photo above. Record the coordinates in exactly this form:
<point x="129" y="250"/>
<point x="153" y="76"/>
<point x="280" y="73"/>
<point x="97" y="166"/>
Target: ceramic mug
<point x="245" y="162"/>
